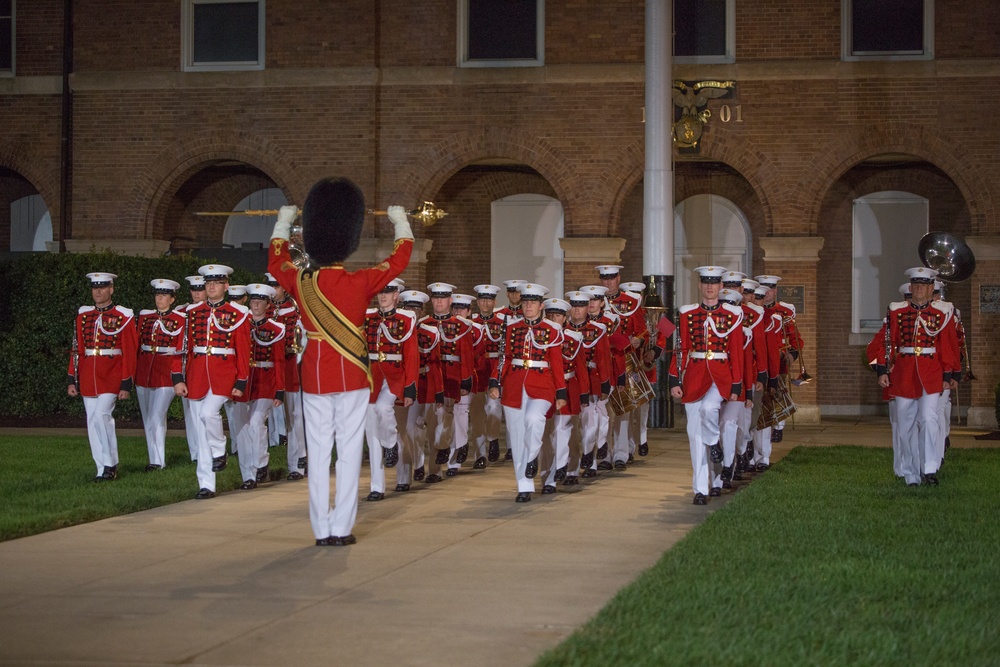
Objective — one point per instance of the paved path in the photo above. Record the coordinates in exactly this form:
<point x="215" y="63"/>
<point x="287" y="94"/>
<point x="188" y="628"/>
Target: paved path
<point x="449" y="574"/>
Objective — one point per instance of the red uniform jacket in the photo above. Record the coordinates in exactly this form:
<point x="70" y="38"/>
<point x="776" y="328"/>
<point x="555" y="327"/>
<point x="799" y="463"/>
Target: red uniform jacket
<point x="598" y="355"/>
<point x="493" y="328"/>
<point x="711" y="351"/>
<point x="481" y="374"/>
<point x="324" y="370"/>
<point x="392" y="352"/>
<point x="267" y="361"/>
<point x="458" y="363"/>
<point x="619" y="344"/>
<point x="575" y="371"/>
<point x="287" y="313"/>
<point x="161" y="346"/>
<point x="784" y="333"/>
<point x="924" y="348"/>
<point x="533" y="362"/>
<point x="218" y="350"/>
<point x="106" y="343"/>
<point x="430" y="382"/>
<point x="755" y="345"/>
<point x="632" y="315"/>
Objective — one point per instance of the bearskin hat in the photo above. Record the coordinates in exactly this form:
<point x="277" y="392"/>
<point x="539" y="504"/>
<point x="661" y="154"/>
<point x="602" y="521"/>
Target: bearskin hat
<point x="332" y="218"/>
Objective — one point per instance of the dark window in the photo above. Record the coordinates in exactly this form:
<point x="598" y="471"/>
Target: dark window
<point x="503" y="30"/>
<point x="699" y="28"/>
<point x="6" y="35"/>
<point x="887" y="26"/>
<point x="226" y="32"/>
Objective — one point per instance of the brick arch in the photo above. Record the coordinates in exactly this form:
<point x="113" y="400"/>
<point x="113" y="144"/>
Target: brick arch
<point x="172" y="167"/>
<point x="952" y="158"/>
<point x="439" y="163"/>
<point x="18" y="160"/>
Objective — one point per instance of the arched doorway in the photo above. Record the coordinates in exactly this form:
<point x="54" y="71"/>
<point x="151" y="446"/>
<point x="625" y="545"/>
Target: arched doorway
<point x="253" y="231"/>
<point x="708" y="230"/>
<point x="525" y="233"/>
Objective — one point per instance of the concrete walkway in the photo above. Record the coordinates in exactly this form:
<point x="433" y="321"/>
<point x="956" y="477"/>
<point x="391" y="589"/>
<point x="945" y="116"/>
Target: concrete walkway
<point x="449" y="574"/>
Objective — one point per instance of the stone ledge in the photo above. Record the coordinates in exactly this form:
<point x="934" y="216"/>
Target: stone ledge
<point x="985" y="248"/>
<point x="133" y="247"/>
<point x="984" y="418"/>
<point x="596" y="249"/>
<point x="792" y="248"/>
<point x="371" y="251"/>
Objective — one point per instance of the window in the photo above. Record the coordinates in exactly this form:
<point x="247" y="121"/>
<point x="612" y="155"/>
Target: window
<point x="223" y="35"/>
<point x="6" y="37"/>
<point x="888" y="227"/>
<point x="888" y="29"/>
<point x="704" y="31"/>
<point x="501" y="33"/>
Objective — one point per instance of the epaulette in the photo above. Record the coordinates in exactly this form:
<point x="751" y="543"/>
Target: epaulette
<point x="898" y="305"/>
<point x="688" y="308"/>
<point x="554" y="325"/>
<point x="371" y="311"/>
<point x="85" y="309"/>
<point x="575" y="335"/>
<point x="465" y="320"/>
<point x="242" y="309"/>
<point x="146" y="311"/>
<point x="735" y="310"/>
<point x="127" y="312"/>
<point x="788" y="306"/>
<point x="755" y="308"/>
<point x="944" y="306"/>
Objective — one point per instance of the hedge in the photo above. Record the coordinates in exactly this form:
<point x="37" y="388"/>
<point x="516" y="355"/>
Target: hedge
<point x="40" y="294"/>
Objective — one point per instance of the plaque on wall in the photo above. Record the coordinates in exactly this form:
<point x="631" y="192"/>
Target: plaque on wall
<point x="989" y="299"/>
<point x="795" y="295"/>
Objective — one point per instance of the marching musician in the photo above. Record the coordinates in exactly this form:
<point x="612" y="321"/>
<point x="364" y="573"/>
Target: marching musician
<point x="461" y="307"/>
<point x="101" y="368"/>
<point x="597" y="313"/>
<point x="493" y="332"/>
<point x="217" y="369"/>
<point x="335" y="376"/>
<point x="508" y="314"/>
<point x="290" y="417"/>
<point x="421" y="417"/>
<point x="648" y="352"/>
<point x="708" y="371"/>
<point x="944" y="417"/>
<point x="277" y="433"/>
<point x="192" y="423"/>
<point x="784" y="333"/>
<point x="919" y="360"/>
<point x="161" y="338"/>
<point x="763" y="364"/>
<point x="532" y="380"/>
<point x="237" y="294"/>
<point x="394" y="359"/>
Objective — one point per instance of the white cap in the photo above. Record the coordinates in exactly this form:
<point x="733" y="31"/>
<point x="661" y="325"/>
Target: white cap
<point x="101" y="279"/>
<point x="749" y="284"/>
<point x="164" y="286"/>
<point x="904" y="290"/>
<point x="632" y="287"/>
<point x="608" y="270"/>
<point x="921" y="274"/>
<point x="733" y="277"/>
<point x="555" y="304"/>
<point x="413" y="296"/>
<point x="512" y="285"/>
<point x="710" y="274"/>
<point x="486" y="291"/>
<point x="760" y="291"/>
<point x="196" y="282"/>
<point x="533" y="291"/>
<point x="594" y="291"/>
<point x="462" y="300"/>
<point x="577" y="298"/>
<point x="440" y="289"/>
<point x="259" y="291"/>
<point x="394" y="285"/>
<point x="237" y="290"/>
<point x="939" y="286"/>
<point x="215" y="272"/>
<point x="768" y="281"/>
<point x="270" y="279"/>
<point x="730" y="296"/>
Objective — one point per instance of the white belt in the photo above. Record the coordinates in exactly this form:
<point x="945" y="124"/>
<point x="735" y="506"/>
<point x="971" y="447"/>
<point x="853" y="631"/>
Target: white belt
<point x="113" y="352"/>
<point x="424" y="369"/>
<point x="262" y="364"/>
<point x="451" y="357"/>
<point x="919" y="351"/>
<point x="709" y="355"/>
<point x="570" y="375"/>
<point x="530" y="363"/>
<point x="591" y="364"/>
<point x="159" y="349"/>
<point x="385" y="357"/>
<point x="492" y="355"/>
<point x="201" y="349"/>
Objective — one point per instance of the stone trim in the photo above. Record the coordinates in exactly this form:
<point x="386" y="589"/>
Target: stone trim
<point x="371" y="251"/>
<point x="599" y="250"/>
<point x="985" y="248"/>
<point x="131" y="247"/>
<point x="792" y="248"/>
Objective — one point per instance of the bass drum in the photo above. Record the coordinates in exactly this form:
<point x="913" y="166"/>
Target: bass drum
<point x="637" y="390"/>
<point x="776" y="406"/>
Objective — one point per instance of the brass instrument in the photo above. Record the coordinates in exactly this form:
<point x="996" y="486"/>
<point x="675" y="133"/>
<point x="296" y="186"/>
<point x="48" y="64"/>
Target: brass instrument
<point x="427" y="213"/>
<point x="776" y="406"/>
<point x="653" y="307"/>
<point x="76" y="359"/>
<point x="803" y="376"/>
<point x="954" y="262"/>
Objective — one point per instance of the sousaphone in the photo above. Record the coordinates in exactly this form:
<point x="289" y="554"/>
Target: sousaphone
<point x="948" y="255"/>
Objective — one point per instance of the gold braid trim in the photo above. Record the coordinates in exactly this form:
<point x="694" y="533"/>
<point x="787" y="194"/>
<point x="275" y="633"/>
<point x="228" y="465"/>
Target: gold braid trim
<point x="332" y="326"/>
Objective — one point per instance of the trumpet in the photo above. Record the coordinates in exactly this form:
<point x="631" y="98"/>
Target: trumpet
<point x="427" y="213"/>
<point x="803" y="376"/>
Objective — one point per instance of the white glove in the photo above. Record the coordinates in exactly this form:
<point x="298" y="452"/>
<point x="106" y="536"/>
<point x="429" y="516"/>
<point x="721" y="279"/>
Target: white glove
<point x="397" y="214"/>
<point x="286" y="216"/>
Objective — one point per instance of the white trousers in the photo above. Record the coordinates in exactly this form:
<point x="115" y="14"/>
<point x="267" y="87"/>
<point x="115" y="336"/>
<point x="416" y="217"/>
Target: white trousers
<point x="334" y="419"/>
<point x="560" y="431"/>
<point x="192" y="428"/>
<point x="603" y="424"/>
<point x="897" y="454"/>
<point x="730" y="415"/>
<point x="477" y="424"/>
<point x="638" y="426"/>
<point x="213" y="444"/>
<point x="525" y="427"/>
<point x="276" y="424"/>
<point x="460" y="428"/>
<point x="703" y="431"/>
<point x="442" y="420"/>
<point x="296" y="441"/>
<point x="493" y="413"/>
<point x="380" y="432"/>
<point x="412" y="439"/>
<point x="944" y="420"/>
<point x="236" y="416"/>
<point x="917" y="423"/>
<point x="101" y="430"/>
<point x="153" y="404"/>
<point x="619" y="426"/>
<point x="251" y="442"/>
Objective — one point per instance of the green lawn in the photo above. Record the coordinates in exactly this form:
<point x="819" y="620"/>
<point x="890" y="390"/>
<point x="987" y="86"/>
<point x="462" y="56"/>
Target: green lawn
<point x="826" y="559"/>
<point x="46" y="482"/>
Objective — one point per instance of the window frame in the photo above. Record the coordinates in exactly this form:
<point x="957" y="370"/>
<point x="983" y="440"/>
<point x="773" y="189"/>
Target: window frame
<point x="187" y="39"/>
<point x="462" y="43"/>
<point x="727" y="58"/>
<point x="8" y="73"/>
<point x="847" y="38"/>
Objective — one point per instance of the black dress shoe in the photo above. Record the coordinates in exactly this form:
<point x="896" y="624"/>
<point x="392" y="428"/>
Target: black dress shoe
<point x="494" y="452"/>
<point x="548" y="489"/>
<point x="100" y="478"/>
<point x="375" y="496"/>
<point x="302" y="463"/>
<point x="462" y="453"/>
<point x="930" y="478"/>
<point x="150" y="467"/>
<point x="451" y="472"/>
<point x="604" y="465"/>
<point x="560" y="474"/>
<point x="262" y="474"/>
<point x="295" y="476"/>
<point x="282" y="440"/>
<point x="913" y="484"/>
<point x="508" y="456"/>
<point x="402" y="488"/>
<point x="587" y="460"/>
<point x="480" y="463"/>
<point x="588" y="473"/>
<point x="323" y="542"/>
<point x="531" y="469"/>
<point x="334" y="541"/>
<point x="442" y="456"/>
<point x="602" y="451"/>
<point x="432" y="479"/>
<point x="110" y="473"/>
<point x="631" y="459"/>
<point x="761" y="467"/>
<point x="219" y="463"/>
<point x="523" y="497"/>
<point x="715" y="492"/>
<point x="947" y="442"/>
<point x="726" y="484"/>
<point x="418" y="474"/>
<point x="570" y="481"/>
<point x="204" y="494"/>
<point x="390" y="457"/>
<point x="727" y="473"/>
<point x="644" y="449"/>
<point x="620" y="465"/>
<point x="249" y="484"/>
<point x="700" y="499"/>
<point x="777" y="435"/>
<point x="715" y="453"/>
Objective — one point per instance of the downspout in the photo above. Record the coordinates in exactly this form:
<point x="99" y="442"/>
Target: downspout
<point x="66" y="132"/>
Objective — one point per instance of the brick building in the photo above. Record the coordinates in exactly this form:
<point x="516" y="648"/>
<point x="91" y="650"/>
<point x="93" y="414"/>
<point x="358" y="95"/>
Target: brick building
<point x="827" y="139"/>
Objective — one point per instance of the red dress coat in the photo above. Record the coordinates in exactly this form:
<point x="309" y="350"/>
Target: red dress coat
<point x="106" y="343"/>
<point x="756" y="345"/>
<point x="632" y="316"/>
<point x="218" y="350"/>
<point x="430" y="382"/>
<point x="481" y="374"/>
<point x="924" y="348"/>
<point x="457" y="354"/>
<point x="715" y="331"/>
<point x="533" y="363"/>
<point x="161" y="346"/>
<point x="493" y="328"/>
<point x="786" y="334"/>
<point x="325" y="370"/>
<point x="575" y="371"/>
<point x="597" y="352"/>
<point x="267" y="361"/>
<point x="392" y="352"/>
<point x="287" y="313"/>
